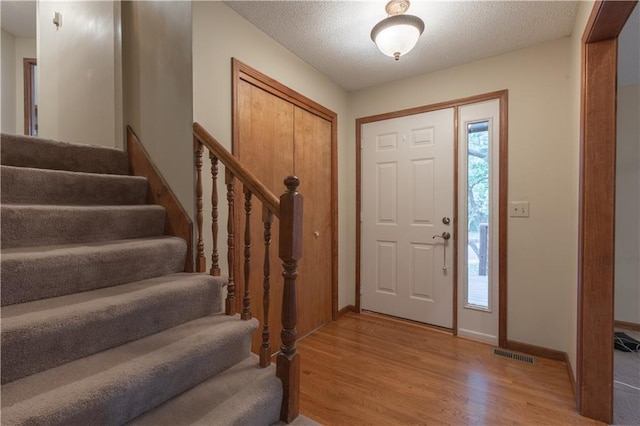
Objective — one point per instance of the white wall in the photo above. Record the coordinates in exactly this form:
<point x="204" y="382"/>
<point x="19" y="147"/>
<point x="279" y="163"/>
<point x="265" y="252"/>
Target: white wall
<point x="14" y="49"/>
<point x="627" y="262"/>
<point x="25" y="48"/>
<point x="584" y="10"/>
<point x="220" y="34"/>
<point x="8" y="83"/>
<point x="542" y="249"/>
<point x="158" y="87"/>
<point x="80" y="84"/>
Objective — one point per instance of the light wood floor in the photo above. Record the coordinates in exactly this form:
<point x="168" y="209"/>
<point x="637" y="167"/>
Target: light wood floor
<point x="366" y="369"/>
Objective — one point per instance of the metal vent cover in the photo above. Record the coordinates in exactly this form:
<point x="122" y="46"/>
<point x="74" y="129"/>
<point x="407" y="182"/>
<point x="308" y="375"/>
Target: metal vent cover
<point x="513" y="355"/>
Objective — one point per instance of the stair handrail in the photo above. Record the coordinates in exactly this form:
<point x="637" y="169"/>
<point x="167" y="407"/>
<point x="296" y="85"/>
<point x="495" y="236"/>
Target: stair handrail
<point x="256" y="187"/>
<point x="287" y="208"/>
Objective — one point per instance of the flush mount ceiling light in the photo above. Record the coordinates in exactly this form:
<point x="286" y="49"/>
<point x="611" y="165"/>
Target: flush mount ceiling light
<point x="397" y="34"/>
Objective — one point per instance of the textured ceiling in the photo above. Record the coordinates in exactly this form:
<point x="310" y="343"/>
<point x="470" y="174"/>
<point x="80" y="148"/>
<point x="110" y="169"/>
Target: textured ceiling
<point x="334" y="36"/>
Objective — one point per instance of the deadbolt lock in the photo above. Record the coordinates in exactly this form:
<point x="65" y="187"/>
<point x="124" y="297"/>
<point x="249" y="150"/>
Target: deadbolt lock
<point x="446" y="220"/>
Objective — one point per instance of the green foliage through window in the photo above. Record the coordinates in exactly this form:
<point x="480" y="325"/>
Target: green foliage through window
<point x="477" y="182"/>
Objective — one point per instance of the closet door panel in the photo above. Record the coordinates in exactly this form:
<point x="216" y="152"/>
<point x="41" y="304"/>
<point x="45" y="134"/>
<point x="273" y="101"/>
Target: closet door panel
<point x="265" y="131"/>
<point x="312" y="164"/>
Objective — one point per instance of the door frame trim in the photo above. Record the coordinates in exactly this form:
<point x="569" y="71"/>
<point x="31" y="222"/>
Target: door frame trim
<point x="502" y="96"/>
<point x="596" y="223"/>
<point x="241" y="71"/>
<point x="28" y="65"/>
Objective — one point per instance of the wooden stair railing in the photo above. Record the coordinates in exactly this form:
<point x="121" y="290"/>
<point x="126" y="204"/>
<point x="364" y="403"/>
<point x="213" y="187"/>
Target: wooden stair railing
<point x="288" y="209"/>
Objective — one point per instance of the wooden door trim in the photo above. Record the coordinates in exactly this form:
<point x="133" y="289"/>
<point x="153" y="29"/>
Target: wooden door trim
<point x="243" y="72"/>
<point x="596" y="229"/>
<point x="503" y="97"/>
<point x="27" y="69"/>
<point x="266" y="83"/>
<point x="456" y="180"/>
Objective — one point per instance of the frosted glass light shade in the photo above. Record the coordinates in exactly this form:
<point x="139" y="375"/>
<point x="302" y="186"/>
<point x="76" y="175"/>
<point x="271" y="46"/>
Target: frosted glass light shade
<point x="397" y="35"/>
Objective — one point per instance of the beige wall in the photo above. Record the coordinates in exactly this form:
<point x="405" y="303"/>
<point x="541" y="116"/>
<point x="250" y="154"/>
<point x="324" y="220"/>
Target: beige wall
<point x="79" y="70"/>
<point x="158" y="87"/>
<point x="627" y="263"/>
<point x="25" y="48"/>
<point x="542" y="156"/>
<point x="220" y="34"/>
<point x="8" y="83"/>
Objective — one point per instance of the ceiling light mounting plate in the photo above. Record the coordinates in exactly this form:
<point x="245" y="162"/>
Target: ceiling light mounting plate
<point x="397" y="7"/>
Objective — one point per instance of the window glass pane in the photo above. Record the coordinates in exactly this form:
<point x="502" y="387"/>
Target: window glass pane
<point x="478" y="214"/>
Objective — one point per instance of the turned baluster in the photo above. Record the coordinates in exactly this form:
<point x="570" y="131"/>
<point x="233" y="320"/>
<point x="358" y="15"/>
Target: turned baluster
<point x="201" y="261"/>
<point x="230" y="306"/>
<point x="246" y="300"/>
<point x="215" y="266"/>
<point x="265" y="348"/>
<point x="288" y="361"/>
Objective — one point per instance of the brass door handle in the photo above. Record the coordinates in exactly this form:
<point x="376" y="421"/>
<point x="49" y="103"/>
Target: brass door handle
<point x="445" y="236"/>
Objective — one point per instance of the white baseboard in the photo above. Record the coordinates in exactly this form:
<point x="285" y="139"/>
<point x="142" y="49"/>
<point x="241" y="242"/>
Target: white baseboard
<point x="487" y="338"/>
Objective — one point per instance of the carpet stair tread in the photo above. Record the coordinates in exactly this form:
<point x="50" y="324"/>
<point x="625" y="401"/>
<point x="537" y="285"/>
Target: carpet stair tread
<point x="23" y="185"/>
<point x="49" y="332"/>
<point x="117" y="385"/>
<point x="38" y="225"/>
<point x="245" y="394"/>
<point x="32" y="273"/>
<point x="28" y="151"/>
<point x="99" y="323"/>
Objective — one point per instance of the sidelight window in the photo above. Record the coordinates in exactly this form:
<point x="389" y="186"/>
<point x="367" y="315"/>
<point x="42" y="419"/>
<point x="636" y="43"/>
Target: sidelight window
<point x="478" y="214"/>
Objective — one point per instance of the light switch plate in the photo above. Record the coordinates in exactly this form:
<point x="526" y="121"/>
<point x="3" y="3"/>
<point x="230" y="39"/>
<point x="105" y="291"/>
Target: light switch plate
<point x="519" y="209"/>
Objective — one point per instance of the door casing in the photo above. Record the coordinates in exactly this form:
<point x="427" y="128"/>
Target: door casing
<point x="596" y="223"/>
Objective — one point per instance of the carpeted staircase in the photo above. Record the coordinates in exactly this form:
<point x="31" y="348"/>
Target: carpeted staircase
<point x="99" y="324"/>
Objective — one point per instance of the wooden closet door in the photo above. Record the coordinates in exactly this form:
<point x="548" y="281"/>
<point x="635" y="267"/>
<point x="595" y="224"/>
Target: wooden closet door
<point x="275" y="139"/>
<point x="265" y="148"/>
<point x="312" y="164"/>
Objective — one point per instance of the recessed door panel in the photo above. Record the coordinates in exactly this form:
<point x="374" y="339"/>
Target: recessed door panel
<point x="387" y="142"/>
<point x="422" y="187"/>
<point x="422" y="268"/>
<point x="386" y="263"/>
<point x="387" y="182"/>
<point x="422" y="137"/>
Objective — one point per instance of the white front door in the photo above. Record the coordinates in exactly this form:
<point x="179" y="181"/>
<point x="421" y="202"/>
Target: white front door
<point x="407" y="205"/>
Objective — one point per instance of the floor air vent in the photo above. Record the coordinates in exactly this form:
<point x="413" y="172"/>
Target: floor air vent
<point x="513" y="355"/>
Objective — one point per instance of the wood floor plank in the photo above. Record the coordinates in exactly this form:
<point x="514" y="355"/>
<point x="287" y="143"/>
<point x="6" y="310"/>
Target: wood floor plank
<point x="367" y="369"/>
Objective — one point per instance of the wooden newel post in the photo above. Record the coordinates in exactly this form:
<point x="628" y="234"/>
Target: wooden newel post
<point x="288" y="361"/>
